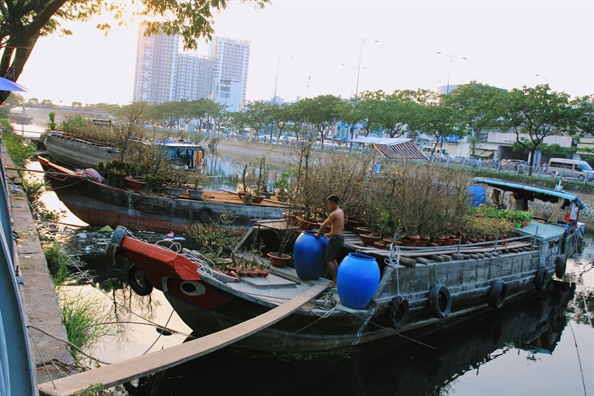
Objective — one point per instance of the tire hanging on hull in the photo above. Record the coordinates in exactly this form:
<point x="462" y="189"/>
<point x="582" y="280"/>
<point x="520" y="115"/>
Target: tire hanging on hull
<point x="440" y="301"/>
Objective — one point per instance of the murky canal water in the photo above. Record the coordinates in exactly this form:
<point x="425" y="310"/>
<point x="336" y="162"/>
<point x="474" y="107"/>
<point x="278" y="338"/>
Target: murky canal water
<point x="538" y="346"/>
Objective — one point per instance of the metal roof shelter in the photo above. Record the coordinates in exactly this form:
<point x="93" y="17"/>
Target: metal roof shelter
<point x="543" y="194"/>
<point x="401" y="148"/>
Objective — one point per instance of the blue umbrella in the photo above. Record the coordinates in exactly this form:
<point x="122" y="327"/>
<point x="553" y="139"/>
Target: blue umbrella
<point x="7" y="85"/>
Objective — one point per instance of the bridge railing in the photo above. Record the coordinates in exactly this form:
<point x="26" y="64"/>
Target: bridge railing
<point x="16" y="372"/>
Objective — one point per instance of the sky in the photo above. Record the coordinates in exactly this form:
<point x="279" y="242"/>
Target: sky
<point x="343" y="47"/>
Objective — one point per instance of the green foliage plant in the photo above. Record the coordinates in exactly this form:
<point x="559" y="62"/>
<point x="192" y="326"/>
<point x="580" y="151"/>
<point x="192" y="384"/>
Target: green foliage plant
<point x="20" y="151"/>
<point x="215" y="240"/>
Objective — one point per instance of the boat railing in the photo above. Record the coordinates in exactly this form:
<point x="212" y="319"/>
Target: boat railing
<point x="496" y="244"/>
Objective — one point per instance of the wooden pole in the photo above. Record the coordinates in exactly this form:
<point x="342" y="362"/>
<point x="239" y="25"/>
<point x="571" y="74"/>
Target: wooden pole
<point x="128" y="370"/>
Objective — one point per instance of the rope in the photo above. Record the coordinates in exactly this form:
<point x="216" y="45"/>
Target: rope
<point x="394" y="332"/>
<point x="66" y="342"/>
<point x="393" y="261"/>
<point x="579" y="358"/>
<point x="160" y="334"/>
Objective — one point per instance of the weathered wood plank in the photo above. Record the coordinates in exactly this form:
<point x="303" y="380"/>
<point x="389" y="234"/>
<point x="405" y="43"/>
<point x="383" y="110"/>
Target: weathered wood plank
<point x="140" y="366"/>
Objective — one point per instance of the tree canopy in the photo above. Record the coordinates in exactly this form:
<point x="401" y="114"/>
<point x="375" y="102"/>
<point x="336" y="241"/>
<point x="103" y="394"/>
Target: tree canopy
<point x="23" y="22"/>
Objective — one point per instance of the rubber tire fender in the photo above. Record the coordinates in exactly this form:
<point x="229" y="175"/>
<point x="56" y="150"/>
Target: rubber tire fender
<point x="205" y="215"/>
<point x="398" y="312"/>
<point x="440" y="301"/>
<point x="139" y="282"/>
<point x="497" y="293"/>
<point x="540" y="279"/>
<point x="560" y="267"/>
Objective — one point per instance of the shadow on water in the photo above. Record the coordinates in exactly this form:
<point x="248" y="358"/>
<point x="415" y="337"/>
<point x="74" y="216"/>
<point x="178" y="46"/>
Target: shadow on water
<point x="395" y="366"/>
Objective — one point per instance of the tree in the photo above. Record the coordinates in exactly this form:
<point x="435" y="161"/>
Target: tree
<point x="322" y="112"/>
<point x="22" y="22"/>
<point x="533" y="114"/>
<point x="474" y="103"/>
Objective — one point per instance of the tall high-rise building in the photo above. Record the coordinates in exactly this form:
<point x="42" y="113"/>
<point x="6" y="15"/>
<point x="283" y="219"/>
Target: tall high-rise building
<point x="164" y="74"/>
<point x="232" y="58"/>
<point x="156" y="58"/>
<point x="194" y="77"/>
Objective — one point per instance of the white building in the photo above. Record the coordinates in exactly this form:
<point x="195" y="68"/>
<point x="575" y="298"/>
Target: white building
<point x="164" y="74"/>
<point x="156" y="58"/>
<point x="232" y="58"/>
<point x="194" y="77"/>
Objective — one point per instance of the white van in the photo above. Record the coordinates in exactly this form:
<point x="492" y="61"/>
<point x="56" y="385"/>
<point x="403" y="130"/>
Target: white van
<point x="440" y="153"/>
<point x="571" y="168"/>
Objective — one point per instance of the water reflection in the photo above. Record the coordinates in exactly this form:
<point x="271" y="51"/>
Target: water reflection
<point x="396" y="366"/>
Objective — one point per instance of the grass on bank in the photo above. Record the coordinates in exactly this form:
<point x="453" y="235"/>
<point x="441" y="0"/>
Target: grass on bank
<point x="19" y="150"/>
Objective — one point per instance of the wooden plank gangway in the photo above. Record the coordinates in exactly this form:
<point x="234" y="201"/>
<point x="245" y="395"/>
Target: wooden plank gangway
<point x="140" y="366"/>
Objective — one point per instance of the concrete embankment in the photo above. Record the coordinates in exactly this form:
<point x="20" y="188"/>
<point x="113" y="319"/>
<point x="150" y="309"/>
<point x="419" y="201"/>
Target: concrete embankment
<point x="38" y="295"/>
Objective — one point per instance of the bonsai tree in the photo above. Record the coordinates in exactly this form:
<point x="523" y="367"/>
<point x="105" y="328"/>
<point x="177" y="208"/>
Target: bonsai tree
<point x="262" y="176"/>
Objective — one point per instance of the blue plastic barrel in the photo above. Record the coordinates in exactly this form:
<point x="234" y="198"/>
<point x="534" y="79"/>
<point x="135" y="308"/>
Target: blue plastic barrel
<point x="357" y="280"/>
<point x="308" y="255"/>
<point x="476" y="195"/>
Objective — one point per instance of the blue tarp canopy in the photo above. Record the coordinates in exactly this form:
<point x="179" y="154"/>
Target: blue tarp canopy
<point x="530" y="192"/>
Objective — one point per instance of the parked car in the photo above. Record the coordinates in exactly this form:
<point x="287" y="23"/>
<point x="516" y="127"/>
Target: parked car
<point x="571" y="168"/>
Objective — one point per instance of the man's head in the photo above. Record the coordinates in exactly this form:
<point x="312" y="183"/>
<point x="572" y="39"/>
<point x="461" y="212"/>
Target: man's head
<point x="332" y="201"/>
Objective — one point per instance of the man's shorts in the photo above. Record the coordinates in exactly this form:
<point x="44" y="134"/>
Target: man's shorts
<point x="334" y="246"/>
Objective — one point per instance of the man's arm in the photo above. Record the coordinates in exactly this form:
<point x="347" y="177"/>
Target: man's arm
<point x="329" y="220"/>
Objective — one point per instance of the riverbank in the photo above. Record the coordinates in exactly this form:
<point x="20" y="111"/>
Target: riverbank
<point x="38" y="295"/>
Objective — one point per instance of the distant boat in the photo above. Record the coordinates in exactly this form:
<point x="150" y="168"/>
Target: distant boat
<point x="79" y="153"/>
<point x="99" y="204"/>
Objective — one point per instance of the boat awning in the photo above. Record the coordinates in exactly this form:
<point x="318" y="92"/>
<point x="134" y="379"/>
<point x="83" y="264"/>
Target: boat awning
<point x="484" y="153"/>
<point x="393" y="148"/>
<point x="532" y="192"/>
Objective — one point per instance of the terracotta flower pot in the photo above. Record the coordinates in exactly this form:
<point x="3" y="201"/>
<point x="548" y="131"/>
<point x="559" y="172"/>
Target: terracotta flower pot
<point x="134" y="183"/>
<point x="278" y="260"/>
<point x="368" y="240"/>
<point x="409" y="243"/>
<point x="379" y="244"/>
<point x="259" y="198"/>
<point x="306" y="225"/>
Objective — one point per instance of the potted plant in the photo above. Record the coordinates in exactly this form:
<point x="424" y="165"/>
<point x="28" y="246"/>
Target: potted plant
<point x="285" y="234"/>
<point x="281" y="186"/>
<point x="175" y="181"/>
<point x="244" y="180"/>
<point x="262" y="179"/>
<point x="197" y="190"/>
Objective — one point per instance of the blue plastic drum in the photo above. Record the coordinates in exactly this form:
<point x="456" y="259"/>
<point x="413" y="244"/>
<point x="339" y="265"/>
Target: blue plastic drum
<point x="476" y="195"/>
<point x="357" y="280"/>
<point x="308" y="255"/>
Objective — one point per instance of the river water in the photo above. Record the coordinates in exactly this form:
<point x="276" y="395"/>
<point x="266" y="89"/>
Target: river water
<point x="538" y="346"/>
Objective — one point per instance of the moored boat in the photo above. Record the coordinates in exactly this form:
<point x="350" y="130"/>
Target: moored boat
<point x="437" y="283"/>
<point x="75" y="152"/>
<point x="99" y="204"/>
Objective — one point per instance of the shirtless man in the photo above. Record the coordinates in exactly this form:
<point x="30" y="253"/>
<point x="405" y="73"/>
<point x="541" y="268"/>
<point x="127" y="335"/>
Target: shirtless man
<point x="336" y="221"/>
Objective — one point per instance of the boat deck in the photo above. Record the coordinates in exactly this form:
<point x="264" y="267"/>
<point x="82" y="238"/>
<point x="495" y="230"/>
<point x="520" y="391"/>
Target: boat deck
<point x="216" y="196"/>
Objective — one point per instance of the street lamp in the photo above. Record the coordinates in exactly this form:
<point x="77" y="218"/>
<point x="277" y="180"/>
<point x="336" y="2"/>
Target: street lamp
<point x="359" y="67"/>
<point x="352" y="76"/>
<point x="276" y="79"/>
<point x="452" y="57"/>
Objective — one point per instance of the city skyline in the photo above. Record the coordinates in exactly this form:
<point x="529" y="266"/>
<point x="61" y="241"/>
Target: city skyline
<point x="303" y="48"/>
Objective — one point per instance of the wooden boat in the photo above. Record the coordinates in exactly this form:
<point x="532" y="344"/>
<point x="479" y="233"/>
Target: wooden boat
<point x="437" y="283"/>
<point x="79" y="153"/>
<point x="76" y="152"/>
<point x="99" y="204"/>
<point x="422" y="363"/>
